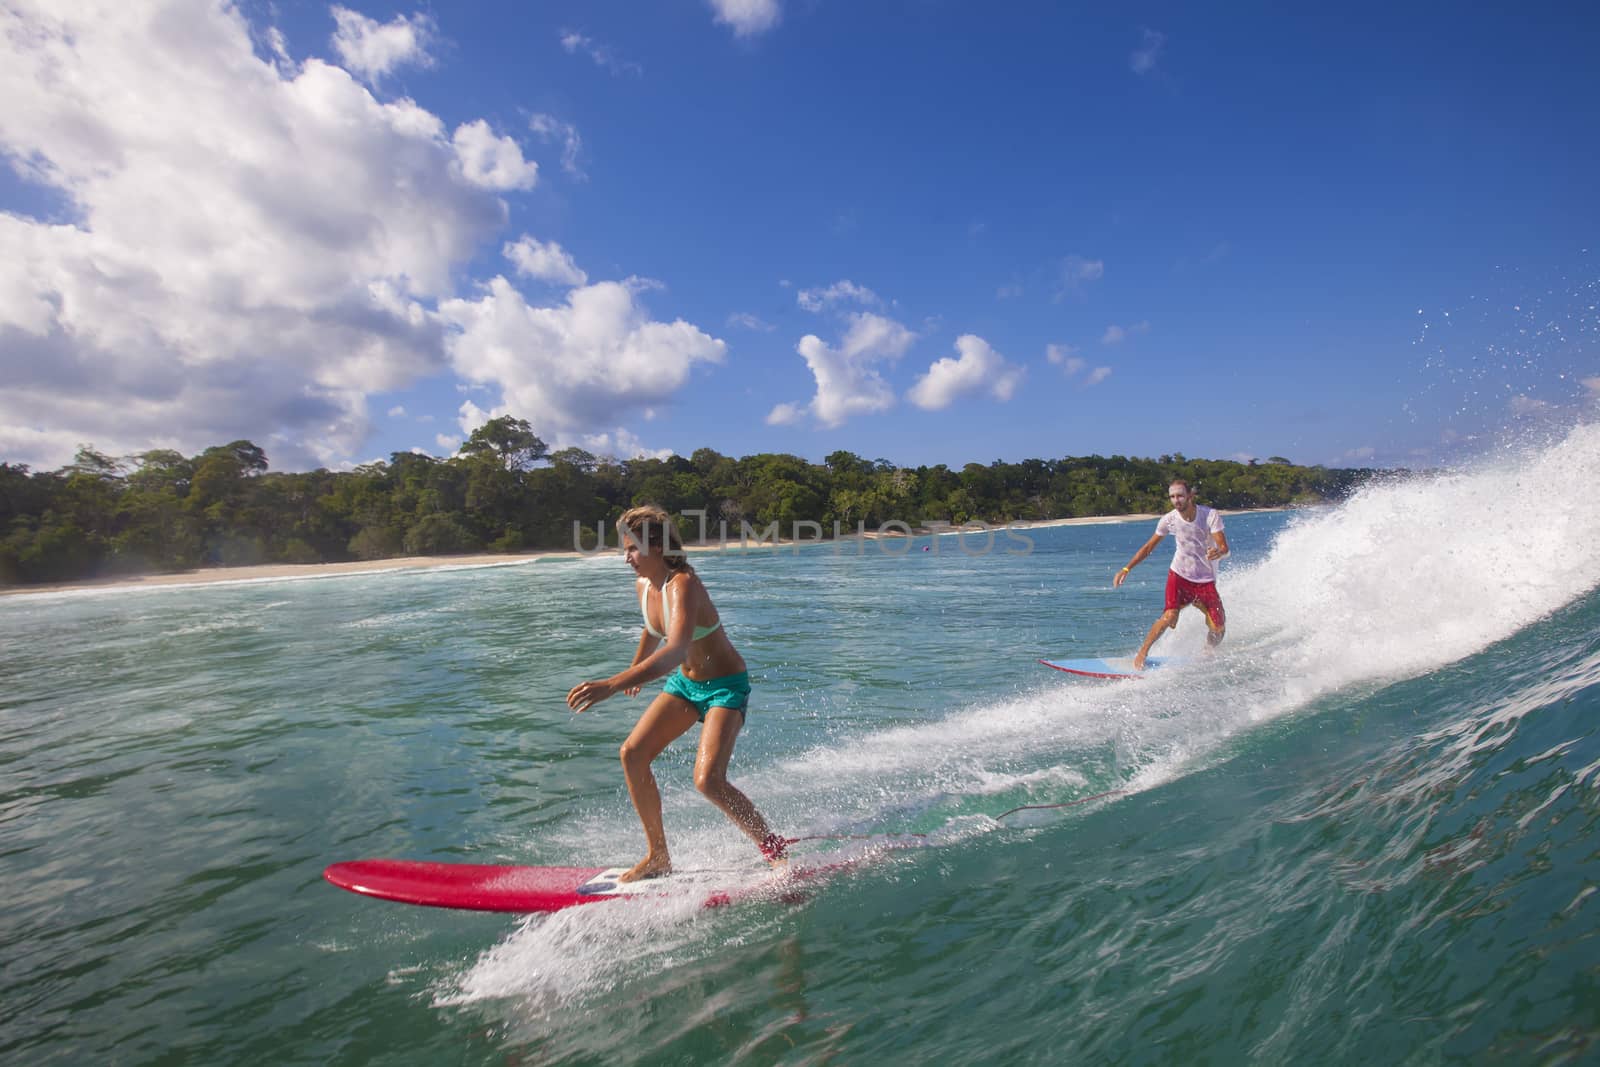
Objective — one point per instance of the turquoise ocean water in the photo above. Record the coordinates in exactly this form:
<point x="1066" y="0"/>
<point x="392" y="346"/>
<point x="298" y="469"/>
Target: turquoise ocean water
<point x="1366" y="832"/>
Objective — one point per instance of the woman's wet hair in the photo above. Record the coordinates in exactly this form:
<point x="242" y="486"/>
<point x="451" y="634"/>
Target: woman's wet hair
<point x="649" y="526"/>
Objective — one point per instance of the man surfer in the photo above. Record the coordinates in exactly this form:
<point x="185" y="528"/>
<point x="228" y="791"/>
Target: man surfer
<point x="683" y="636"/>
<point x="1193" y="577"/>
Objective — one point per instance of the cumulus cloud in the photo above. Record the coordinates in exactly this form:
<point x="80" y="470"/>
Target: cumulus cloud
<point x="839" y="292"/>
<point x="490" y="161"/>
<point x="622" y="443"/>
<point x="551" y="129"/>
<point x="548" y="262"/>
<point x="373" y="49"/>
<point x="977" y="369"/>
<point x="254" y="246"/>
<point x="747" y="18"/>
<point x="249" y="250"/>
<point x="1115" y="334"/>
<point x="569" y="368"/>
<point x="786" y="414"/>
<point x="1146" y="57"/>
<point x="848" y="381"/>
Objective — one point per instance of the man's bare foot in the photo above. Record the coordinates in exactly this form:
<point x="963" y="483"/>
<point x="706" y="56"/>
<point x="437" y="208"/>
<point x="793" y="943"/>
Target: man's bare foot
<point x="649" y="867"/>
<point x="1138" y="662"/>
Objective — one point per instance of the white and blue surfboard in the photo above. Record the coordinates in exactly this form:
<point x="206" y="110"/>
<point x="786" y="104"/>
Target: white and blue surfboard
<point x="1112" y="666"/>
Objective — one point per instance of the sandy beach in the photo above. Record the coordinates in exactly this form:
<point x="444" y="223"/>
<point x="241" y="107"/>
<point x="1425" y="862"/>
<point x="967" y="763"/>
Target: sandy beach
<point x="271" y="571"/>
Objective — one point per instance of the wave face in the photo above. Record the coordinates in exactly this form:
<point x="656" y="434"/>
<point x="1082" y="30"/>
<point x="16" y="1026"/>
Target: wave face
<point x="1365" y="829"/>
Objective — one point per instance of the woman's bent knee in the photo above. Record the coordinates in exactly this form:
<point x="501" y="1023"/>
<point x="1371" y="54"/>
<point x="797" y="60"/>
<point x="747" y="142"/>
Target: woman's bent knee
<point x="709" y="783"/>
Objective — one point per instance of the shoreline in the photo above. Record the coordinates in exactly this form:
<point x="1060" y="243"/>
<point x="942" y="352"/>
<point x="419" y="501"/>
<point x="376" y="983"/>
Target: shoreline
<point x="278" y="571"/>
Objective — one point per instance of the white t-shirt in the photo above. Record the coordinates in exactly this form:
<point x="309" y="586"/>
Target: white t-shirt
<point x="1194" y="539"/>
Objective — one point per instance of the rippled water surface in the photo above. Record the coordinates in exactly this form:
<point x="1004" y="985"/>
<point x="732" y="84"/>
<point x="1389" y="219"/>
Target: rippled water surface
<point x="1367" y="831"/>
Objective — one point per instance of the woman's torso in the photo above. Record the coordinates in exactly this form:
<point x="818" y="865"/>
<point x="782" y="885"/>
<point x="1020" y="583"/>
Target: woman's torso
<point x="711" y="654"/>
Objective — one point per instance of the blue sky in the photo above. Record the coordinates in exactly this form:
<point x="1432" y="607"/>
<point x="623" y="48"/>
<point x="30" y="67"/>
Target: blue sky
<point x="925" y="231"/>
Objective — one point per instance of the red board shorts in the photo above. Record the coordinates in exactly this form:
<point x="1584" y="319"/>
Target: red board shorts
<point x="1181" y="592"/>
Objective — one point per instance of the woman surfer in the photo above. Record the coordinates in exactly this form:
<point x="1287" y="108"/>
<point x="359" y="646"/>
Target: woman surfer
<point x="708" y="683"/>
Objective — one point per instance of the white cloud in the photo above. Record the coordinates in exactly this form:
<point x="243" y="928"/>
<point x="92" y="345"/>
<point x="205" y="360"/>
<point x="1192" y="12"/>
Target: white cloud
<point x="253" y="249"/>
<point x="602" y="55"/>
<point x="492" y="162"/>
<point x="838" y="292"/>
<point x="1148" y="54"/>
<point x="1115" y="334"/>
<point x="549" y="128"/>
<point x="469" y="417"/>
<point x="745" y="320"/>
<point x="1075" y="272"/>
<point x="1064" y="356"/>
<point x="1522" y="406"/>
<point x="622" y="444"/>
<point x="397" y="412"/>
<point x="786" y="414"/>
<point x="371" y="49"/>
<point x="848" y="382"/>
<point x="569" y="368"/>
<point x="1067" y="358"/>
<point x="280" y="48"/>
<point x="747" y="18"/>
<point x="978" y="369"/>
<point x="548" y="262"/>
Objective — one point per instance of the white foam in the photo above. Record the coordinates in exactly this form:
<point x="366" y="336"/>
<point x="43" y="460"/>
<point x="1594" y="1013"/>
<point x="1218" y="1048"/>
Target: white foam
<point x="1404" y="578"/>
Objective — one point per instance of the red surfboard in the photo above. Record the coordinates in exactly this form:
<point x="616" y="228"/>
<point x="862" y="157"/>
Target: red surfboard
<point x="483" y="887"/>
<point x="477" y="887"/>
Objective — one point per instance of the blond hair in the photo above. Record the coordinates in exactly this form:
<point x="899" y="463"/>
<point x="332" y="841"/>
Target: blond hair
<point x="649" y="526"/>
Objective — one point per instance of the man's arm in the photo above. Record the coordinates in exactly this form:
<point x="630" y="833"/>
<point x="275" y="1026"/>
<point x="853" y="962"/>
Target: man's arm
<point x="1138" y="558"/>
<point x="1219" y="550"/>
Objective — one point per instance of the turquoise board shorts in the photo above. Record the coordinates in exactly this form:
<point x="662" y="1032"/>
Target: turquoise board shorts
<point x="729" y="691"/>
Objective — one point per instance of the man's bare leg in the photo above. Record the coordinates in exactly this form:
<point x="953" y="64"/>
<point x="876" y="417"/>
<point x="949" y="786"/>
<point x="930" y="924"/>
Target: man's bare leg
<point x="1167" y="621"/>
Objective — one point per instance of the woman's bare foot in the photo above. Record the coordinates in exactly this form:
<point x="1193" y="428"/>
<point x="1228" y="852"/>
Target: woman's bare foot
<point x="650" y="867"/>
<point x="775" y="850"/>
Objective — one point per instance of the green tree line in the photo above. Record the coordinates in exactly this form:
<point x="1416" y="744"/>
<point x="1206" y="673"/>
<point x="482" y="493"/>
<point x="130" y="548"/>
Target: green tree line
<point x="505" y="491"/>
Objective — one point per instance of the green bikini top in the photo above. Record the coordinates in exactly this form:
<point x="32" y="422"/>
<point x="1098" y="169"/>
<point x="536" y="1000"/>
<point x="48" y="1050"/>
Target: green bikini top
<point x="666" y="615"/>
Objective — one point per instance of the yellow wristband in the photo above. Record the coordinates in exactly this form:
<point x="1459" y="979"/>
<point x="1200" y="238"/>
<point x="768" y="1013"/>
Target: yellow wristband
<point x="1127" y="570"/>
